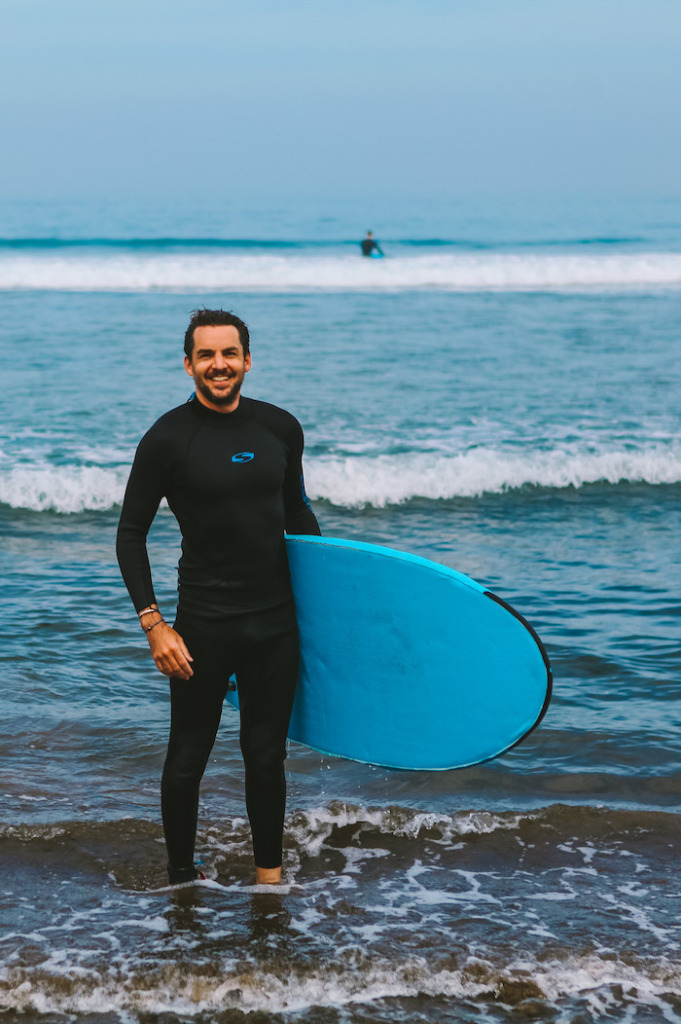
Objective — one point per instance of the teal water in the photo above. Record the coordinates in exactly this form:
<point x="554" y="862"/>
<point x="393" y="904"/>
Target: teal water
<point x="502" y="398"/>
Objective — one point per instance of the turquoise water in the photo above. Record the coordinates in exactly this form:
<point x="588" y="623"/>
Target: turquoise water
<point x="500" y="394"/>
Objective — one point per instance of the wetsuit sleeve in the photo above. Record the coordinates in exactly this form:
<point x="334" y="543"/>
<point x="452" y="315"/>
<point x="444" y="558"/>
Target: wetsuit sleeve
<point x="146" y="486"/>
<point x="300" y="519"/>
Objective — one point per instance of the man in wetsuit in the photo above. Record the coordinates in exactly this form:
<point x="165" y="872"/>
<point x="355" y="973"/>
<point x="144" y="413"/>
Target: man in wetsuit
<point x="370" y="245"/>
<point x="231" y="471"/>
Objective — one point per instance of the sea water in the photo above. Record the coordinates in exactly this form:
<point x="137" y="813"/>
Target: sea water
<point x="501" y="394"/>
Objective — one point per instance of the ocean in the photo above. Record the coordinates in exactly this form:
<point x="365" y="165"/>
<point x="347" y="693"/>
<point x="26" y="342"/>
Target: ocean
<point x="500" y="394"/>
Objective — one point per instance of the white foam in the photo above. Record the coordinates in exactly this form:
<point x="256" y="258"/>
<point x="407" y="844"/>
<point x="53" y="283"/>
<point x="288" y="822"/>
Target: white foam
<point x="311" y="828"/>
<point x="60" y="986"/>
<point x="391" y="479"/>
<point x="379" y="480"/>
<point x="639" y="917"/>
<point x="43" y="487"/>
<point x="152" y="924"/>
<point x="199" y="272"/>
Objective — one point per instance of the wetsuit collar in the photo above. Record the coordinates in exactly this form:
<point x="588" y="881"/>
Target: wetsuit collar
<point x="224" y="420"/>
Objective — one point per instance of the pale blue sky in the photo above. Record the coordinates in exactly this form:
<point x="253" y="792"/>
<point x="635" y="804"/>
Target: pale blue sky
<point x="353" y="98"/>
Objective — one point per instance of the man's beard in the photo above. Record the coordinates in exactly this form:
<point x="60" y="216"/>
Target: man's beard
<point x="224" y="397"/>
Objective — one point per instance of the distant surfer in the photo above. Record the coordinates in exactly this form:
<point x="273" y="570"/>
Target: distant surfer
<point x="231" y="470"/>
<point x="370" y="245"/>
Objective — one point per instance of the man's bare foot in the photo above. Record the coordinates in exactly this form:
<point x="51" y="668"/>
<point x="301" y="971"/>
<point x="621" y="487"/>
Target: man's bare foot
<point x="267" y="876"/>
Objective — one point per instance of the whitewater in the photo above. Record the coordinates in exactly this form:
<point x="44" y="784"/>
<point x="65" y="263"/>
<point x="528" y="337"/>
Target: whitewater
<point x="299" y="271"/>
<point x="376" y="481"/>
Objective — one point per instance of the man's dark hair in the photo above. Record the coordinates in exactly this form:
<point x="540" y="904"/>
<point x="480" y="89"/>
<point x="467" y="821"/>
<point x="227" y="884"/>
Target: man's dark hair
<point x="215" y="318"/>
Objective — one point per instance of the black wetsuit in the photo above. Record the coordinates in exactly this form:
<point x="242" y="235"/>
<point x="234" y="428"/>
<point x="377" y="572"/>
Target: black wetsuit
<point x="368" y="245"/>
<point x="235" y="483"/>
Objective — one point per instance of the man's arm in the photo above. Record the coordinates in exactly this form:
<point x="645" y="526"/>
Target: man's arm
<point x="300" y="519"/>
<point x="142" y="497"/>
<point x="146" y="487"/>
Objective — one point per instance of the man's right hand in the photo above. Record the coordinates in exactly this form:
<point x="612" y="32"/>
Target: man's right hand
<point x="169" y="652"/>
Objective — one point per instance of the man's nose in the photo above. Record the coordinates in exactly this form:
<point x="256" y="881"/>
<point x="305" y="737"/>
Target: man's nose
<point x="219" y="361"/>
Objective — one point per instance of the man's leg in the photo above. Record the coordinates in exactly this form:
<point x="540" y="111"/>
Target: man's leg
<point x="195" y="712"/>
<point x="267" y="680"/>
<point x="195" y="717"/>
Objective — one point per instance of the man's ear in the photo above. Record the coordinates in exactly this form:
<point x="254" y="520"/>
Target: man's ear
<point x="188" y="366"/>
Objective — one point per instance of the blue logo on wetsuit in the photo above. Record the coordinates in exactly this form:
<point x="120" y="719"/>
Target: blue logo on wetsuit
<point x="243" y="457"/>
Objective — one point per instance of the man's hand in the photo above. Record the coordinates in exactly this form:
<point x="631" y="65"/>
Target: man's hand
<point x="169" y="651"/>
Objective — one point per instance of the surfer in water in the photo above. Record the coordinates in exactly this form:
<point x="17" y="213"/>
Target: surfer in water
<point x="370" y="245"/>
<point x="231" y="471"/>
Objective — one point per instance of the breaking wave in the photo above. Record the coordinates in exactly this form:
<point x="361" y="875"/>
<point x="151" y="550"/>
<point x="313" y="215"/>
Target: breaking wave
<point x="281" y="272"/>
<point x="378" y="481"/>
<point x="392" y="479"/>
<point x="357" y="979"/>
<point x="45" y="488"/>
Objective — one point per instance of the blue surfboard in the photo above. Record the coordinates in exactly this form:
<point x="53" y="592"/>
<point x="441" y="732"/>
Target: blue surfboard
<point x="406" y="663"/>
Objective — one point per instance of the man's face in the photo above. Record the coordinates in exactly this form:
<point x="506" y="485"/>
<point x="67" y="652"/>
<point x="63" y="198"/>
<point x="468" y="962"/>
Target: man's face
<point x="218" y="366"/>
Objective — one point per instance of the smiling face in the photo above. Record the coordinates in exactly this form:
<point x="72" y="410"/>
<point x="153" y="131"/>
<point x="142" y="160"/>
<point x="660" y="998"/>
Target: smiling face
<point x="218" y="366"/>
